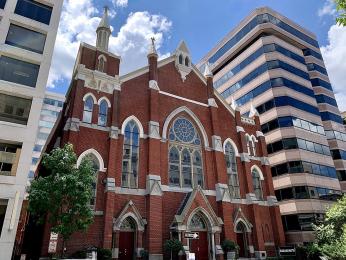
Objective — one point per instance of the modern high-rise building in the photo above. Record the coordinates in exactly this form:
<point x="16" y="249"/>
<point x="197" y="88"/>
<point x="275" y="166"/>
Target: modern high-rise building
<point x="27" y="35"/>
<point x="270" y="63"/>
<point x="52" y="106"/>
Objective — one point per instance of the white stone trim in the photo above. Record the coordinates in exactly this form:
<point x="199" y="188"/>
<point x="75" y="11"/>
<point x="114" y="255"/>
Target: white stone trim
<point x="106" y="99"/>
<point x="248" y="228"/>
<point x="194" y="117"/>
<point x="212" y="102"/>
<point x="92" y="95"/>
<point x="259" y="134"/>
<point x="102" y="56"/>
<point x="97" y="155"/>
<point x="134" y="118"/>
<point x="154" y="85"/>
<point x="184" y="99"/>
<point x="240" y="129"/>
<point x="217" y="143"/>
<point x="233" y="144"/>
<point x="154" y="130"/>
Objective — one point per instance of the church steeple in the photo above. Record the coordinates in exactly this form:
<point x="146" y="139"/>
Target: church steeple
<point x="103" y="32"/>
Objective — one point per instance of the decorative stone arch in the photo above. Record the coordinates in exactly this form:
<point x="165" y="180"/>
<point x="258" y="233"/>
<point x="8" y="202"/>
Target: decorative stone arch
<point x="209" y="221"/>
<point x="102" y="56"/>
<point x="96" y="154"/>
<point x="229" y="140"/>
<point x="253" y="138"/>
<point x="106" y="99"/>
<point x="91" y="95"/>
<point x="192" y="115"/>
<point x="258" y="170"/>
<point x="131" y="211"/>
<point x="240" y="220"/>
<point x="127" y="120"/>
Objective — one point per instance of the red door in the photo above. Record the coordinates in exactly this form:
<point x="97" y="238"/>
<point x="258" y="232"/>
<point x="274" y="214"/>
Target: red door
<point x="241" y="243"/>
<point x="200" y="246"/>
<point x="126" y="245"/>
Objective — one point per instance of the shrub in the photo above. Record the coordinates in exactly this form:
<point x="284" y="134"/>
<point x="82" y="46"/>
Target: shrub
<point x="229" y="245"/>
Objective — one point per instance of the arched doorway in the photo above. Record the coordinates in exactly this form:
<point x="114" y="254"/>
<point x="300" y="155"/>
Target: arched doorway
<point x="242" y="239"/>
<point x="127" y="239"/>
<point x="199" y="246"/>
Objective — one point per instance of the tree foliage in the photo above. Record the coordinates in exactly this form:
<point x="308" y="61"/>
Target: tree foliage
<point x="341" y="8"/>
<point x="331" y="233"/>
<point x="64" y="195"/>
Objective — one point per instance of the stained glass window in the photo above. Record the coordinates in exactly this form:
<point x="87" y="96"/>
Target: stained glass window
<point x="88" y="109"/>
<point x="257" y="186"/>
<point x="103" y="111"/>
<point x="231" y="164"/>
<point x="130" y="156"/>
<point x="197" y="223"/>
<point x="185" y="156"/>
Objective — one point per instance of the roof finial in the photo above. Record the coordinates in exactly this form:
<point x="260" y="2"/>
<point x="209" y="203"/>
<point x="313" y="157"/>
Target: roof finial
<point x="207" y="72"/>
<point x="253" y="111"/>
<point x="152" y="48"/>
<point x="234" y="105"/>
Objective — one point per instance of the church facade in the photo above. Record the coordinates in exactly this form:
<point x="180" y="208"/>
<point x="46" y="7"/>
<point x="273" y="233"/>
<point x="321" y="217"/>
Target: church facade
<point x="172" y="159"/>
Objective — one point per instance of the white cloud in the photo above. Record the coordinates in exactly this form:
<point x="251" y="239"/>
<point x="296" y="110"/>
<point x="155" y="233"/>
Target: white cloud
<point x="78" y="23"/>
<point x="328" y="8"/>
<point x="120" y="3"/>
<point x="334" y="55"/>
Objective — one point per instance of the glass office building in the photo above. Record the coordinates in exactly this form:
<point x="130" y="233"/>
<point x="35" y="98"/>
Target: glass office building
<point x="28" y="31"/>
<point x="275" y="65"/>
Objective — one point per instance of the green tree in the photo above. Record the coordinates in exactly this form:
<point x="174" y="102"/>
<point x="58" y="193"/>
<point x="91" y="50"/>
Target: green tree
<point x="331" y="233"/>
<point x="341" y="8"/>
<point x="63" y="196"/>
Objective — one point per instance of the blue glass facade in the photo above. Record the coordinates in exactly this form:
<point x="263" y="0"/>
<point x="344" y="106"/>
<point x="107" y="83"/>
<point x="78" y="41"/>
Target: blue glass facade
<point x="328" y="116"/>
<point x="34" y="10"/>
<point x="261" y="19"/>
<point x="297" y="143"/>
<point x="269" y="65"/>
<point x="264" y="49"/>
<point x="273" y="83"/>
<point x="309" y="52"/>
<point x="293" y="167"/>
<point x="289" y="121"/>
<point x="316" y="82"/>
<point x="315" y="67"/>
<point x="325" y="99"/>
<point x="307" y="192"/>
<point x="287" y="101"/>
<point x="338" y="154"/>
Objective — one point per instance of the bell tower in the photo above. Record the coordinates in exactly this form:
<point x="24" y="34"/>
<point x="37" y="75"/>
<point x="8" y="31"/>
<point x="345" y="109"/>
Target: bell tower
<point x="103" y="32"/>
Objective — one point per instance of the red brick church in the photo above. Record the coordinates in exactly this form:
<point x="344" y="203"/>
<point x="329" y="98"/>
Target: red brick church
<point x="171" y="157"/>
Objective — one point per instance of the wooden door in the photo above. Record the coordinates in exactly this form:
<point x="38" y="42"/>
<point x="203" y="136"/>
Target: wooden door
<point x="200" y="246"/>
<point x="126" y="245"/>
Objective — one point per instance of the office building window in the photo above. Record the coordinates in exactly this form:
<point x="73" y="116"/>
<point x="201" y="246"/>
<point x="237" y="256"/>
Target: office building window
<point x="53" y="102"/>
<point x="3" y="207"/>
<point x="2" y="4"/>
<point x="300" y="222"/>
<point x="14" y="109"/>
<point x="26" y="39"/>
<point x="18" y="71"/>
<point x="34" y="10"/>
<point x="9" y="155"/>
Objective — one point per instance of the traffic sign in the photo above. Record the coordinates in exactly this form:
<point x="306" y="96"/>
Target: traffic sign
<point x="191" y="235"/>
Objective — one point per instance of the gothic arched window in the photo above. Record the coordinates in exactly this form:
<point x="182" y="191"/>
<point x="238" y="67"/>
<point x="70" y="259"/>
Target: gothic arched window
<point x="185" y="155"/>
<point x="103" y="111"/>
<point x="231" y="164"/>
<point x="187" y="61"/>
<point x="257" y="186"/>
<point x="197" y="223"/>
<point x="88" y="109"/>
<point x="129" y="177"/>
<point x="180" y="59"/>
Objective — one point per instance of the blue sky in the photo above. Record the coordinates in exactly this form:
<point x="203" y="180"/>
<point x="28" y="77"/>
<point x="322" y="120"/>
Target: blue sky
<point x="201" y="23"/>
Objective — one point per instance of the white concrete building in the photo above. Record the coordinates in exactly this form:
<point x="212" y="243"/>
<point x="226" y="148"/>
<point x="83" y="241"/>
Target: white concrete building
<point x="27" y="35"/>
<point x="51" y="108"/>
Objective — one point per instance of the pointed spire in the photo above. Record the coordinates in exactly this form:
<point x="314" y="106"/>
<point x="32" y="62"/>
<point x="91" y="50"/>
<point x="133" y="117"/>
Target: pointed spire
<point x="103" y="31"/>
<point x="207" y="72"/>
<point x="104" y="23"/>
<point x="234" y="105"/>
<point x="253" y="111"/>
<point x="152" y="48"/>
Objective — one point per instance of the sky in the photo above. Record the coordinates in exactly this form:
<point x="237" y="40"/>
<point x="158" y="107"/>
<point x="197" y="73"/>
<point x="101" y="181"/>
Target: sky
<point x="200" y="23"/>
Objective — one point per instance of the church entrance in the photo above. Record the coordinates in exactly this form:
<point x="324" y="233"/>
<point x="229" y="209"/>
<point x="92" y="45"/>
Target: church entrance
<point x="127" y="240"/>
<point x="200" y="246"/>
<point x="242" y="239"/>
